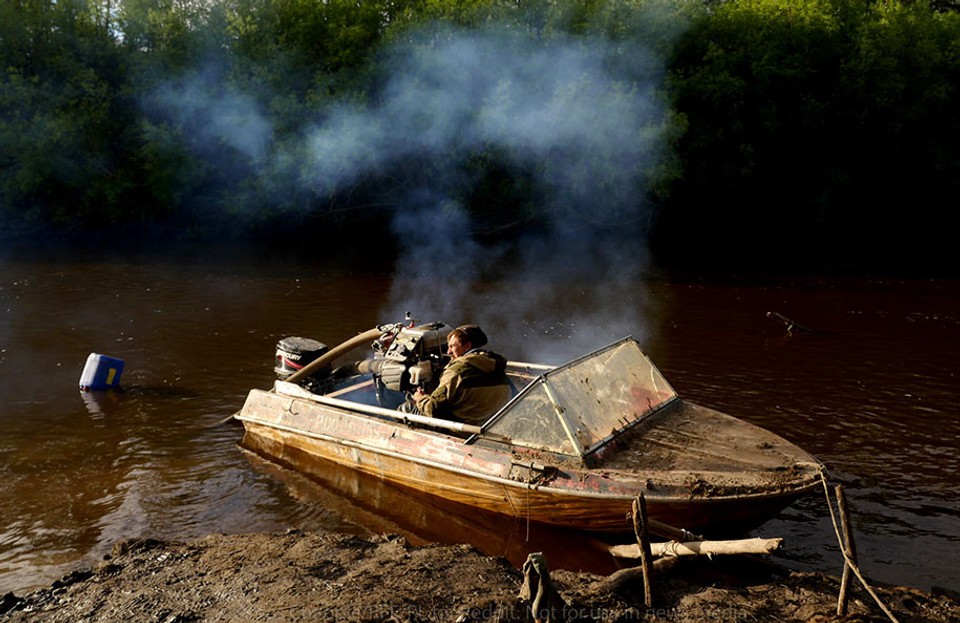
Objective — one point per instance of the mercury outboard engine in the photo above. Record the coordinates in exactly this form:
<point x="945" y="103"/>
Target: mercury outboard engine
<point x="293" y="353"/>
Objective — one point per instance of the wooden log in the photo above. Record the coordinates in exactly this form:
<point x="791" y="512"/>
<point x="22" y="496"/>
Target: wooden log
<point x="697" y="548"/>
<point x="850" y="551"/>
<point x="643" y="546"/>
<point x="667" y="531"/>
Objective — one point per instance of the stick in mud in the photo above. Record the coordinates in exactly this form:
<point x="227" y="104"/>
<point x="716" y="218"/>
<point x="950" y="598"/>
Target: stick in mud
<point x="850" y="549"/>
<point x="643" y="539"/>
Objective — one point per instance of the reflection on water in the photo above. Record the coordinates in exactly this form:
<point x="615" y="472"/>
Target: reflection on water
<point x="381" y="507"/>
<point x="872" y="392"/>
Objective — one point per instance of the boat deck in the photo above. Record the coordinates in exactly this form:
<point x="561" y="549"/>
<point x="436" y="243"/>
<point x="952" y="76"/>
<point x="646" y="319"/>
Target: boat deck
<point x="709" y="453"/>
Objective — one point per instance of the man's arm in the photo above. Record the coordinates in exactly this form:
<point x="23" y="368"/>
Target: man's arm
<point x="440" y="402"/>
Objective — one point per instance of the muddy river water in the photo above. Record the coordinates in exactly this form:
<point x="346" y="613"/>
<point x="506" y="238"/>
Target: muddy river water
<point x="872" y="390"/>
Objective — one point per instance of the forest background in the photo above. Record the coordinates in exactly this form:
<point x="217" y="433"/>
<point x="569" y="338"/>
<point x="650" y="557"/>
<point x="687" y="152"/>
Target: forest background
<point x="714" y="132"/>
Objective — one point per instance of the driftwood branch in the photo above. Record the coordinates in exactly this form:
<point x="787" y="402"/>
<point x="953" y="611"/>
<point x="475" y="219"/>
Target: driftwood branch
<point x="848" y="561"/>
<point x="697" y="548"/>
<point x="666" y="531"/>
<point x="791" y="324"/>
<point x="849" y="551"/>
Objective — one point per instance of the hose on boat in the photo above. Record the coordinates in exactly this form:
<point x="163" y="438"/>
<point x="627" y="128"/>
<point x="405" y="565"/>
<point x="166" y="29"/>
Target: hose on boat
<point x="329" y="356"/>
<point x="322" y="361"/>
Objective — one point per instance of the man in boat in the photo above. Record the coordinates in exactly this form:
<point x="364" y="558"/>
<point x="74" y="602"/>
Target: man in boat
<point x="472" y="386"/>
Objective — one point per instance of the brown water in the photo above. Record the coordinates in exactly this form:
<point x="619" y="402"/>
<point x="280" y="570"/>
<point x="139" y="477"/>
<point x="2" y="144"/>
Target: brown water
<point x="873" y="392"/>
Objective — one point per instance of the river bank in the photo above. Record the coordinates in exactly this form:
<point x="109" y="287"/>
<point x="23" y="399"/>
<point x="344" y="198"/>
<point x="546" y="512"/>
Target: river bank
<point x="298" y="577"/>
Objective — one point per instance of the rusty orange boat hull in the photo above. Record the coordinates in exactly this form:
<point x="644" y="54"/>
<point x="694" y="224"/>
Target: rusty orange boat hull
<point x="736" y="478"/>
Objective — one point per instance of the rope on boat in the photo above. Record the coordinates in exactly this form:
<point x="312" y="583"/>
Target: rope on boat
<point x="527" y="539"/>
<point x="843" y="550"/>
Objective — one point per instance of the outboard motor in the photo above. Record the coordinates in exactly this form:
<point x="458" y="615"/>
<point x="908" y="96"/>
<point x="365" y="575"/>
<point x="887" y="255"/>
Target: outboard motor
<point x="293" y="353"/>
<point x="405" y="357"/>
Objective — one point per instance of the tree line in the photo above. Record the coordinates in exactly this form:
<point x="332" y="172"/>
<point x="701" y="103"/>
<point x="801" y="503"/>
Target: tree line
<point x="775" y="128"/>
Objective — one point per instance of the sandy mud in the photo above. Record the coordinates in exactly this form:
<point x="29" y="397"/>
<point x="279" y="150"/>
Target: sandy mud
<point x="294" y="577"/>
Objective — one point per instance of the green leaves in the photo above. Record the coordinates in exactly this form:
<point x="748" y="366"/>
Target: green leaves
<point x="807" y="120"/>
<point x="816" y="121"/>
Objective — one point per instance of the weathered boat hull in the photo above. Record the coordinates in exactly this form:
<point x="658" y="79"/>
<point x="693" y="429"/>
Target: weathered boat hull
<point x="352" y="501"/>
<point x="514" y="483"/>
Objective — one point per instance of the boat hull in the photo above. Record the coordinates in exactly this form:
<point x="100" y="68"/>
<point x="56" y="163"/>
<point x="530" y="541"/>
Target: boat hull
<point x="304" y="435"/>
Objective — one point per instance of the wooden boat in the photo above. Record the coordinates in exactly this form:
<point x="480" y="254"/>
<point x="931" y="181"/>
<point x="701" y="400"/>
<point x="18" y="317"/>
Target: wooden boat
<point x="572" y="448"/>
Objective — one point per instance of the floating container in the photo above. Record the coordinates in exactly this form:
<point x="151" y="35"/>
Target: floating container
<point x="293" y="353"/>
<point x="100" y="372"/>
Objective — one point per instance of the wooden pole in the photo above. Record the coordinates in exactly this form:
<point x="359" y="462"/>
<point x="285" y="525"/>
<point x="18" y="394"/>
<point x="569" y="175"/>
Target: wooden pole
<point x="643" y="539"/>
<point x="669" y="532"/>
<point x="698" y="548"/>
<point x="849" y="549"/>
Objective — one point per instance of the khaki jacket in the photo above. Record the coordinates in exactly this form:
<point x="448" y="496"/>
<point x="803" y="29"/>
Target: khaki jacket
<point x="472" y="388"/>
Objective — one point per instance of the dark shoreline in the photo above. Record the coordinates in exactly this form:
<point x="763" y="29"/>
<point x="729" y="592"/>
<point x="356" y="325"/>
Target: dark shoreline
<point x="301" y="246"/>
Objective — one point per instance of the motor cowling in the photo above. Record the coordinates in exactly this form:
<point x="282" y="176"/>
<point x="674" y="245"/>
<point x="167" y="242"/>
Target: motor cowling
<point x="293" y="353"/>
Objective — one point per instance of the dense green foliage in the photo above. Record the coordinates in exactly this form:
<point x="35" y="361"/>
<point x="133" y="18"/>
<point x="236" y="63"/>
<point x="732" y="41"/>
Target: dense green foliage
<point x="759" y="127"/>
<point x="823" y="122"/>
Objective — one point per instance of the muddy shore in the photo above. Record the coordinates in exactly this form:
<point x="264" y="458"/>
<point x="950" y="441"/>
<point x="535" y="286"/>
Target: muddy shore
<point x="300" y="577"/>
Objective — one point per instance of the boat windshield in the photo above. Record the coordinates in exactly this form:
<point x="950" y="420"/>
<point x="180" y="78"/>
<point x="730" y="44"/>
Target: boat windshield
<point x="578" y="407"/>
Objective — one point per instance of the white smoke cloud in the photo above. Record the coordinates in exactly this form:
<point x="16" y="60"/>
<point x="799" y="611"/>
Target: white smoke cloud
<point x="579" y="116"/>
<point x="576" y="111"/>
<point x="212" y="115"/>
<point x="582" y="116"/>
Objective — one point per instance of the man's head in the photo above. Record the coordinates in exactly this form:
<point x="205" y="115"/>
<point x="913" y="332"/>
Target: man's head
<point x="464" y="338"/>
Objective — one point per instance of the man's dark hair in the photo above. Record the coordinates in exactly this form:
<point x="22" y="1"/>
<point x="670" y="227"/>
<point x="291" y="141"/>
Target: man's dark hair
<point x="471" y="333"/>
